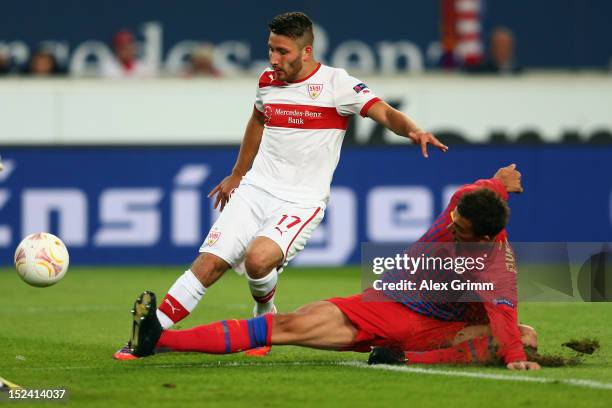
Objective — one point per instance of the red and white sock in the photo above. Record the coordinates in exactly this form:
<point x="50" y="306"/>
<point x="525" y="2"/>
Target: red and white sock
<point x="263" y="290"/>
<point x="181" y="299"/>
<point x="474" y="351"/>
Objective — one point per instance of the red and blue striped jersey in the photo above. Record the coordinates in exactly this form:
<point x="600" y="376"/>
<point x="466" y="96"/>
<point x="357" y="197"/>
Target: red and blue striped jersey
<point x="498" y="311"/>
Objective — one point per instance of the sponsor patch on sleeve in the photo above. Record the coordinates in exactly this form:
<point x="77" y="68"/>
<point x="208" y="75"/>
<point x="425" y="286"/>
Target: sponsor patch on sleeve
<point x="503" y="302"/>
<point x="360" y="87"/>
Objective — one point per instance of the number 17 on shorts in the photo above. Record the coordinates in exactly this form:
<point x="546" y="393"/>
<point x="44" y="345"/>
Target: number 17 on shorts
<point x="291" y="228"/>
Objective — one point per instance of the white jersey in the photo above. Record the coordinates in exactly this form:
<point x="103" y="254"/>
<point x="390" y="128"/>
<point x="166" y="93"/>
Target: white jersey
<point x="305" y="123"/>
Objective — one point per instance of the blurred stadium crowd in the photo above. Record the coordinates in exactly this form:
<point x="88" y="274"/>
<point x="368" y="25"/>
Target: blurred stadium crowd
<point x="126" y="61"/>
<point x="148" y="39"/>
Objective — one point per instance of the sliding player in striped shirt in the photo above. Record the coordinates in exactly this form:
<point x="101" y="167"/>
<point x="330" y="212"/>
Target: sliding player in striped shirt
<point x="482" y="330"/>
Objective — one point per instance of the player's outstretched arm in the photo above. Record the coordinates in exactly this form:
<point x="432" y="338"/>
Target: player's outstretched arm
<point x="471" y="345"/>
<point x="529" y="338"/>
<point x="248" y="151"/>
<point x="506" y="180"/>
<point x="400" y="124"/>
<point x="510" y="178"/>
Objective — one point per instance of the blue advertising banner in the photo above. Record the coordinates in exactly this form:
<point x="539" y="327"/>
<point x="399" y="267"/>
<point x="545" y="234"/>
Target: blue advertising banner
<point x="119" y="206"/>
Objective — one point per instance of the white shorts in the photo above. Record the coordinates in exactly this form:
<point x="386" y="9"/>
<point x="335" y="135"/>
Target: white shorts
<point x="252" y="212"/>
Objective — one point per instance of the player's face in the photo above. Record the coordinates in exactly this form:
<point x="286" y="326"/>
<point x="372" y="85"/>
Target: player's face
<point x="285" y="56"/>
<point x="461" y="228"/>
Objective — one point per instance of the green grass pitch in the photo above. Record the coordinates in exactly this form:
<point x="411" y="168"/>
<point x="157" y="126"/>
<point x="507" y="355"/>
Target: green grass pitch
<point x="63" y="336"/>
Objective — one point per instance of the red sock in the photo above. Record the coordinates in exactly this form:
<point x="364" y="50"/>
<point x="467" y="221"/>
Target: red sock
<point x="476" y="350"/>
<point x="226" y="336"/>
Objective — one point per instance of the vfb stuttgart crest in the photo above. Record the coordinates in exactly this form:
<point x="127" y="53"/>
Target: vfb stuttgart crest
<point x="314" y="90"/>
<point x="212" y="237"/>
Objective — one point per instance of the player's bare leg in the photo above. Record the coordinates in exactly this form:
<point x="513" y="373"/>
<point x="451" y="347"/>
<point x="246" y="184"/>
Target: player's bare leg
<point x="208" y="268"/>
<point x="261" y="259"/>
<point x="318" y="325"/>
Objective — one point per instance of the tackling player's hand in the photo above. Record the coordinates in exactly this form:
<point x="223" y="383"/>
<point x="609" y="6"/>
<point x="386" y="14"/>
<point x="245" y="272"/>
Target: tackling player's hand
<point x="224" y="189"/>
<point x="510" y="178"/>
<point x="523" y="366"/>
<point x="423" y="138"/>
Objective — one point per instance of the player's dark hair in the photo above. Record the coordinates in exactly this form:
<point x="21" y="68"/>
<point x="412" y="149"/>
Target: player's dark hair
<point x="487" y="212"/>
<point x="295" y="25"/>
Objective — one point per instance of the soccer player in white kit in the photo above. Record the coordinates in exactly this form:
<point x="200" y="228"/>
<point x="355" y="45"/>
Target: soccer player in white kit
<point x="280" y="184"/>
